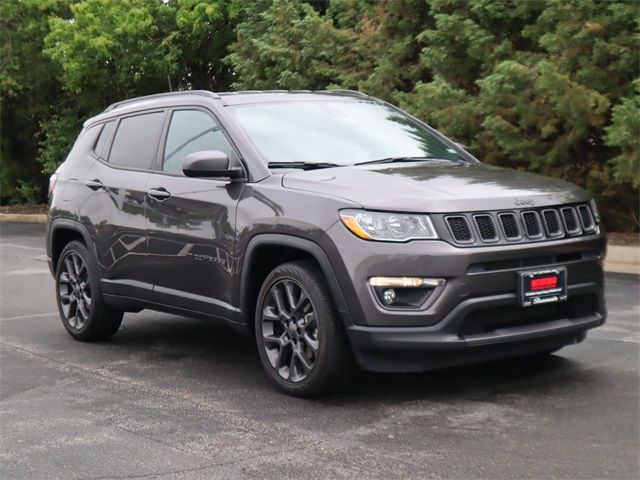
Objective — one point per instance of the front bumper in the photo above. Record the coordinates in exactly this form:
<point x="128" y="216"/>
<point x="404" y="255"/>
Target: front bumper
<point x="411" y="349"/>
<point x="477" y="316"/>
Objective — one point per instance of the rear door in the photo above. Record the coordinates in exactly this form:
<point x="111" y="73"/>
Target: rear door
<point x="192" y="220"/>
<point x="126" y="151"/>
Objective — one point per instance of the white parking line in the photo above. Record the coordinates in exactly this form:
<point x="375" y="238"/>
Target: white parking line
<point x="21" y="317"/>
<point x="28" y="271"/>
<point x="13" y="245"/>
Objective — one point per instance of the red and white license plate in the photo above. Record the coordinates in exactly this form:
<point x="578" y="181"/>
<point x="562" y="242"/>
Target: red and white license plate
<point x="543" y="286"/>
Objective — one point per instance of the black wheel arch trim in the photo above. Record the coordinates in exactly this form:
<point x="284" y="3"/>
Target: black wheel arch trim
<point x="298" y="243"/>
<point x="65" y="224"/>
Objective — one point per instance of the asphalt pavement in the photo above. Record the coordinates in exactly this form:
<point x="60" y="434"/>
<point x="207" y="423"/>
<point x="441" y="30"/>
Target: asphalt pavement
<point x="170" y="397"/>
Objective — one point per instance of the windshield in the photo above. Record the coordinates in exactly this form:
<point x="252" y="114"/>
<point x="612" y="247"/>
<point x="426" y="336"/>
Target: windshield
<point x="338" y="132"/>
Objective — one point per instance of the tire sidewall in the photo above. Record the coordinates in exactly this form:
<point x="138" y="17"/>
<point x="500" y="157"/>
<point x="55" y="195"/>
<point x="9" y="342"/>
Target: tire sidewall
<point x="324" y="315"/>
<point x="79" y="249"/>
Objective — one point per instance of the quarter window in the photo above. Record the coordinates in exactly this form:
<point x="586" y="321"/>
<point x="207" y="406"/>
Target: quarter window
<point x="101" y="144"/>
<point x="192" y="131"/>
<point x="136" y="141"/>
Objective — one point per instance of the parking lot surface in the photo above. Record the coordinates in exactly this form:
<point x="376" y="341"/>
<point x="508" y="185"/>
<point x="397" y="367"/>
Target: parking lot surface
<point x="170" y="397"/>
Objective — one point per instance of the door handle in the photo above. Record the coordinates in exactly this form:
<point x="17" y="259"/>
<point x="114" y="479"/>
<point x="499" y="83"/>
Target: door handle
<point x="158" y="193"/>
<point x="94" y="184"/>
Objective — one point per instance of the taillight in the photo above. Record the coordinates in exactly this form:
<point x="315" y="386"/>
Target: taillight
<point x="53" y="179"/>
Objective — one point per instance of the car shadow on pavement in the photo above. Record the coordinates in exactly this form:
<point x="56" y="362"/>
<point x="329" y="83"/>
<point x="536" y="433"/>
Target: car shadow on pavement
<point x="210" y="352"/>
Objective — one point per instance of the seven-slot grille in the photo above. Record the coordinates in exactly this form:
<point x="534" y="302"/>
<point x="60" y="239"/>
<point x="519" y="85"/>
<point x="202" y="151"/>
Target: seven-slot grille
<point x="521" y="225"/>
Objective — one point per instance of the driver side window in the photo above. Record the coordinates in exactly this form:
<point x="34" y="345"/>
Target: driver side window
<point x="192" y="131"/>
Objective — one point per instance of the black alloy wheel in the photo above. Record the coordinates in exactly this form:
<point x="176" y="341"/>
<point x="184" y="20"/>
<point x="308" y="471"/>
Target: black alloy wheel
<point x="300" y="337"/>
<point x="290" y="330"/>
<point x="82" y="308"/>
<point x="74" y="291"/>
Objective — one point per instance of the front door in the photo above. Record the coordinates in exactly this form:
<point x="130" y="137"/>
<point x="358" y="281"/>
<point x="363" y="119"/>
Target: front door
<point x="191" y="221"/>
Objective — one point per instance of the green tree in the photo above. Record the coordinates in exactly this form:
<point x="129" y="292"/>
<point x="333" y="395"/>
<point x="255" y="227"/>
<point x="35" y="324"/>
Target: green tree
<point x="532" y="84"/>
<point x="543" y="85"/>
<point x="116" y="49"/>
<point x="29" y="92"/>
<point x="286" y="44"/>
<point x="624" y="133"/>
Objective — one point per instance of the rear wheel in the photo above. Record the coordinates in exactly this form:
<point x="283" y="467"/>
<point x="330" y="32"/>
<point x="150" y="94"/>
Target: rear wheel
<point x="82" y="309"/>
<point x="300" y="339"/>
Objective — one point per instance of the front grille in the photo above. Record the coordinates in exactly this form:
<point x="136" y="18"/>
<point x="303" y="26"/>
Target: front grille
<point x="510" y="226"/>
<point x="518" y="225"/>
<point x="486" y="228"/>
<point x="587" y="219"/>
<point x="460" y="229"/>
<point x="570" y="221"/>
<point x="532" y="224"/>
<point x="552" y="223"/>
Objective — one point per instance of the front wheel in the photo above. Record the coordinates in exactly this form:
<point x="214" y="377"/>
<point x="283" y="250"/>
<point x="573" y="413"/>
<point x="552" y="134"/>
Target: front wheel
<point x="300" y="339"/>
<point x="82" y="310"/>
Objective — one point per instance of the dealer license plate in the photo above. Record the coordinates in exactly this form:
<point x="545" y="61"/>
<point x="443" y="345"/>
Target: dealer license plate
<point x="543" y="286"/>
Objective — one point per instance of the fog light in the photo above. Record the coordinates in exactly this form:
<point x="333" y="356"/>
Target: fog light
<point x="389" y="296"/>
<point x="405" y="282"/>
<point x="404" y="292"/>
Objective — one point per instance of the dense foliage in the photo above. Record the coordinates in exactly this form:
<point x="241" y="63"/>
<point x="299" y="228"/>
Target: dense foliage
<point x="549" y="85"/>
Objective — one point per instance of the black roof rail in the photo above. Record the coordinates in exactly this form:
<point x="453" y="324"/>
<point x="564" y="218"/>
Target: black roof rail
<point x="204" y="93"/>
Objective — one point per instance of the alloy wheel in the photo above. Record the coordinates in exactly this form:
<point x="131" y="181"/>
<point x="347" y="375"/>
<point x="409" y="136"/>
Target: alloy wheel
<point x="74" y="290"/>
<point x="290" y="330"/>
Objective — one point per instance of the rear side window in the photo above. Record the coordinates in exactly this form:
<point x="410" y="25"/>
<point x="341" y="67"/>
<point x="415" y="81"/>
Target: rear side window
<point x="136" y="141"/>
<point x="101" y="144"/>
<point x="192" y="131"/>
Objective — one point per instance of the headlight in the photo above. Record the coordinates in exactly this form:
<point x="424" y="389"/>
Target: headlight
<point x="390" y="227"/>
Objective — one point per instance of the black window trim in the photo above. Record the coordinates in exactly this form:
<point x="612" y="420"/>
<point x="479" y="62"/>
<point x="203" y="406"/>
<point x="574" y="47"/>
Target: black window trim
<point x="118" y="120"/>
<point x="157" y="165"/>
<point x="107" y="146"/>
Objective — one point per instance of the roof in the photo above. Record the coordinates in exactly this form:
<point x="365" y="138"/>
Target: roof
<point x="242" y="97"/>
<point x="162" y="100"/>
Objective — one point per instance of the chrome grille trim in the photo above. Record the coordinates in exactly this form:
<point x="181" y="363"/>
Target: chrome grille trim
<point x="552" y="223"/>
<point x="532" y="224"/>
<point x="570" y="221"/>
<point x="486" y="227"/>
<point x="459" y="228"/>
<point x="505" y="223"/>
<point x="586" y="218"/>
<point x="518" y="225"/>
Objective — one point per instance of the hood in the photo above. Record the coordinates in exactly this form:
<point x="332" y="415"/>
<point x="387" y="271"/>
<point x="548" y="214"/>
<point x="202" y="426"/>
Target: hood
<point x="436" y="187"/>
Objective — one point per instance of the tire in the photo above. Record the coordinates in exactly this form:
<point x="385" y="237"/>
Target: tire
<point x="82" y="309"/>
<point x="287" y="333"/>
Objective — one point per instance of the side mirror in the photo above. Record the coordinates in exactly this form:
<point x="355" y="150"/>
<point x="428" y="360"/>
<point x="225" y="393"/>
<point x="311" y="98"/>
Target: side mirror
<point x="210" y="163"/>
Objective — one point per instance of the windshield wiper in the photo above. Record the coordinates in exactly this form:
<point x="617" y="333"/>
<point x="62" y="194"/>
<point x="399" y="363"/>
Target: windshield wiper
<point x="302" y="165"/>
<point x="396" y="160"/>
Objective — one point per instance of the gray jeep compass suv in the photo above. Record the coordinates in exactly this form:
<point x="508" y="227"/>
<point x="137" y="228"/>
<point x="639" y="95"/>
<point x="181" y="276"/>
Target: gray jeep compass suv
<point x="332" y="226"/>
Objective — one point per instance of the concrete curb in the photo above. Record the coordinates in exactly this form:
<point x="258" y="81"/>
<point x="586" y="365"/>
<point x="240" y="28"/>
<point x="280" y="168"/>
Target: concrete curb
<point x="23" y="217"/>
<point x="622" y="259"/>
